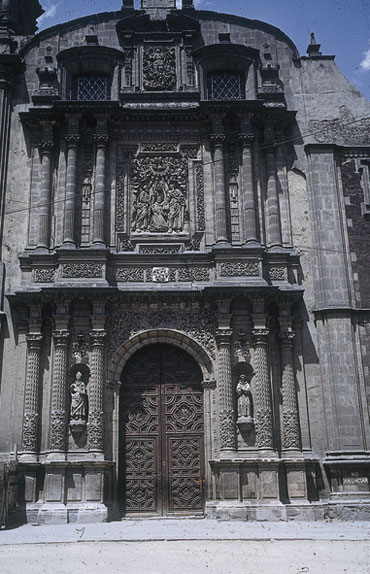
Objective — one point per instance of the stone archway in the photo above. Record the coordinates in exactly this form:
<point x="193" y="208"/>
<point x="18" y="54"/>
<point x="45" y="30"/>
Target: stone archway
<point x="161" y="427"/>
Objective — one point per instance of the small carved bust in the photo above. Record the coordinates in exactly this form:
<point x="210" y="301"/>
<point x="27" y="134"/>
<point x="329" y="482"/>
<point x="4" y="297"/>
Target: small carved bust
<point x="245" y="402"/>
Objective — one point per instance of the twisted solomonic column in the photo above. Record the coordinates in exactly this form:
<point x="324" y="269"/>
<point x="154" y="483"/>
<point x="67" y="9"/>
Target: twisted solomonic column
<point x="291" y="430"/>
<point x="31" y="415"/>
<point x="225" y="385"/>
<point x="58" y="417"/>
<point x="263" y="403"/>
<point x="95" y="425"/>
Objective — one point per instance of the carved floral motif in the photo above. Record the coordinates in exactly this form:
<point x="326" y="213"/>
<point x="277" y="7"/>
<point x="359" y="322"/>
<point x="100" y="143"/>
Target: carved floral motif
<point x="277" y="273"/>
<point x="200" y="324"/>
<point x="239" y="269"/>
<point x="45" y="275"/>
<point x="346" y="128"/>
<point x="83" y="270"/>
<point x="159" y="68"/>
<point x="130" y="274"/>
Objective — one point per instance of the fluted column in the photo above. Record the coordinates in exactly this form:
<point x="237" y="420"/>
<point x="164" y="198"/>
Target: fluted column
<point x="220" y="192"/>
<point x="274" y="226"/>
<point x="45" y="196"/>
<point x="58" y="418"/>
<point x="71" y="180"/>
<point x="263" y="403"/>
<point x="31" y="415"/>
<point x="100" y="178"/>
<point x="249" y="195"/>
<point x="225" y="386"/>
<point x="291" y="430"/>
<point x="95" y="425"/>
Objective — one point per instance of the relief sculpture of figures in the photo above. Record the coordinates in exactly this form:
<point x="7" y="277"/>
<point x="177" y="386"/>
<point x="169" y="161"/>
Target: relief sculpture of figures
<point x="159" y="68"/>
<point x="245" y="403"/>
<point x="78" y="414"/>
<point x="159" y="187"/>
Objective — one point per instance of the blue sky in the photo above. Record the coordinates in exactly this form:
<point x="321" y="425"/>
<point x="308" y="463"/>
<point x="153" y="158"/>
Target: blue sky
<point x="341" y="26"/>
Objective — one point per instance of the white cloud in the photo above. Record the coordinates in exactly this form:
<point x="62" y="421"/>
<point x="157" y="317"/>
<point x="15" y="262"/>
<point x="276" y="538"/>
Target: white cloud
<point x="365" y="63"/>
<point x="50" y="11"/>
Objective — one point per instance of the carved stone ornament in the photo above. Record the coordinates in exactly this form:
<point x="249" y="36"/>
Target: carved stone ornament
<point x="193" y="274"/>
<point x="159" y="68"/>
<point x="277" y="273"/>
<point x="95" y="430"/>
<point x="82" y="270"/>
<point x="45" y="275"/>
<point x="344" y="129"/>
<point x="239" y="269"/>
<point x="30" y="431"/>
<point x="57" y="430"/>
<point x="199" y="324"/>
<point x="159" y="194"/>
<point x="160" y="274"/>
<point x="129" y="274"/>
<point x="227" y="430"/>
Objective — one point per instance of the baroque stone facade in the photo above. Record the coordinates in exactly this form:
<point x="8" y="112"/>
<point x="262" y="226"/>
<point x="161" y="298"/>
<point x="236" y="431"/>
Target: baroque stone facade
<point x="185" y="319"/>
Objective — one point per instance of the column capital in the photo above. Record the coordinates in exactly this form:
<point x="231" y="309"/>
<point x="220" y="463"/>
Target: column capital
<point x="260" y="336"/>
<point x="223" y="336"/>
<point x="34" y="341"/>
<point x="61" y="338"/>
<point x="72" y="139"/>
<point x="246" y="138"/>
<point x="97" y="338"/>
<point x="217" y="139"/>
<point x="46" y="146"/>
<point x="101" y="140"/>
<point x="287" y="338"/>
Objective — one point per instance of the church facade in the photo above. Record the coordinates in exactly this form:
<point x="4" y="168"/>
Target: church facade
<point x="184" y="237"/>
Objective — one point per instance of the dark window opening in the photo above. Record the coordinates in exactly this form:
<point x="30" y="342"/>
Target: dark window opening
<point x="91" y="88"/>
<point x="225" y="86"/>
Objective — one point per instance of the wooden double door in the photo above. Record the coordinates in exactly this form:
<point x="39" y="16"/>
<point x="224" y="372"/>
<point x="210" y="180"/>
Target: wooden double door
<point x="161" y="433"/>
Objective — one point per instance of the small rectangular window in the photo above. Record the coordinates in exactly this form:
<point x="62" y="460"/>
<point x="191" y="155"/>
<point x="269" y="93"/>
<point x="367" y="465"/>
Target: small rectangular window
<point x="225" y="86"/>
<point x="90" y="88"/>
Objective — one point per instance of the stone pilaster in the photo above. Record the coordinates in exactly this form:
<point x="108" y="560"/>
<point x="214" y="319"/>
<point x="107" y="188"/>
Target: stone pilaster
<point x="95" y="425"/>
<point x="58" y="417"/>
<point x="263" y="403"/>
<point x="274" y="225"/>
<point x="31" y="415"/>
<point x="250" y="211"/>
<point x="291" y="430"/>
<point x="225" y="386"/>
<point x="71" y="179"/>
<point x="100" y="183"/>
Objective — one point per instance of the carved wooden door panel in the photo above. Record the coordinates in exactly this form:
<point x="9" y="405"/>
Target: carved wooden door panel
<point x="161" y="432"/>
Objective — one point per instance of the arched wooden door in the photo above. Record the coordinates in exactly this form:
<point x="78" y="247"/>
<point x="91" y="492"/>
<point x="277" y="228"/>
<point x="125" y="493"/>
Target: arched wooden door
<point x="161" y="433"/>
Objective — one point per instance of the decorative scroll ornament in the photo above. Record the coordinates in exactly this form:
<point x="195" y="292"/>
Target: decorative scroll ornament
<point x="30" y="431"/>
<point x="239" y="269"/>
<point x="227" y="430"/>
<point x="346" y="128"/>
<point x="95" y="430"/>
<point x="159" y="187"/>
<point x="159" y="68"/>
<point x="82" y="270"/>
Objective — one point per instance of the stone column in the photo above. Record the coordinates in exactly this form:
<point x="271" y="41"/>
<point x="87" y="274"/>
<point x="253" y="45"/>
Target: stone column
<point x="71" y="180"/>
<point x="218" y="140"/>
<point x="291" y="430"/>
<point x="263" y="403"/>
<point x="58" y="418"/>
<point x="31" y="415"/>
<point x="225" y="389"/>
<point x="100" y="183"/>
<point x="95" y="425"/>
<point x="45" y="195"/>
<point x="274" y="226"/>
<point x="250" y="210"/>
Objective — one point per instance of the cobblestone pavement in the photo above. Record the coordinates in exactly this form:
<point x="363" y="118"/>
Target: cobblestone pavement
<point x="187" y="547"/>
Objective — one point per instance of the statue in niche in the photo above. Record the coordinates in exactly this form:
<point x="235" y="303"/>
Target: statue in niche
<point x="245" y="402"/>
<point x="78" y="413"/>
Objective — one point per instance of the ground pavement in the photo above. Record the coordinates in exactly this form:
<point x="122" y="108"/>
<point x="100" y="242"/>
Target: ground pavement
<point x="187" y="547"/>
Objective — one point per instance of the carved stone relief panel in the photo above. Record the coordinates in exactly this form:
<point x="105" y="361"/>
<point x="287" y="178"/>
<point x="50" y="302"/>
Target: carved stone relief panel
<point x="198" y="323"/>
<point x="159" y="194"/>
<point x="159" y="68"/>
